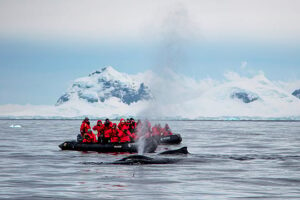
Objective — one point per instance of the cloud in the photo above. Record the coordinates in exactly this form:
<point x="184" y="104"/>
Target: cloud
<point x="131" y="19"/>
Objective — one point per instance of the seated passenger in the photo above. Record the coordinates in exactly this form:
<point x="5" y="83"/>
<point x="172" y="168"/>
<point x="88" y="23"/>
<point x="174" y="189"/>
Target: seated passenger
<point x="128" y="122"/>
<point x="122" y="125"/>
<point x="89" y="137"/>
<point x="114" y="134"/>
<point x="125" y="136"/>
<point x="85" y="126"/>
<point x="107" y="124"/>
<point x="132" y="126"/>
<point x="106" y="136"/>
<point x="159" y="129"/>
<point x="166" y="131"/>
<point x="155" y="130"/>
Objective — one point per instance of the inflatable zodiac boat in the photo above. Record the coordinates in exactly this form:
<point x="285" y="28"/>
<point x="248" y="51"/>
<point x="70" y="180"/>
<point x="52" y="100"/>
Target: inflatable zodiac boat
<point x="149" y="146"/>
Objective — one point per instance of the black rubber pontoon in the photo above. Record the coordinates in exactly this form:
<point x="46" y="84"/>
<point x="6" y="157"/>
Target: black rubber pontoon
<point x="170" y="139"/>
<point x="150" y="147"/>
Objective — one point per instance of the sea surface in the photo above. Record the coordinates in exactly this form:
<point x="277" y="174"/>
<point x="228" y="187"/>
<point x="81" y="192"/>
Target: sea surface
<point x="227" y="160"/>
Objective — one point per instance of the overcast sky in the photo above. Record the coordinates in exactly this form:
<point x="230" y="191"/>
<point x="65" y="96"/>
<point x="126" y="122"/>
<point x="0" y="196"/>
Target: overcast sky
<point x="44" y="45"/>
<point x="112" y="19"/>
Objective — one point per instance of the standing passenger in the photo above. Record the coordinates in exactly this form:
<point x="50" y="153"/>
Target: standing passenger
<point x="106" y="129"/>
<point x="85" y="126"/>
<point x="100" y="132"/>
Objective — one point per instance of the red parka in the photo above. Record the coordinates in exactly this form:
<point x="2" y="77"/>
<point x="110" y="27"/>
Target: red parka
<point x="99" y="128"/>
<point x="89" y="138"/>
<point x="114" y="134"/>
<point x="155" y="131"/>
<point x="122" y="125"/>
<point x="166" y="131"/>
<point x="85" y="126"/>
<point x="124" y="136"/>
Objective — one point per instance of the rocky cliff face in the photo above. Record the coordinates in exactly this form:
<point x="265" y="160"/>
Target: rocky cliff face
<point x="244" y="96"/>
<point x="296" y="93"/>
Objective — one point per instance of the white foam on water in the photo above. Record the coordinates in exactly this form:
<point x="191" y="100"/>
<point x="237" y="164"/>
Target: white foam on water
<point x="15" y="126"/>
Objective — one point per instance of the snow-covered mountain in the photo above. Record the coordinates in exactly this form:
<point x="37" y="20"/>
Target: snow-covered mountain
<point x="169" y="95"/>
<point x="105" y="84"/>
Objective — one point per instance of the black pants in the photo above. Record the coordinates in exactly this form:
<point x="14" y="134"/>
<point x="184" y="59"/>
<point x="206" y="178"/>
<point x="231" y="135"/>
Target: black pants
<point x="103" y="140"/>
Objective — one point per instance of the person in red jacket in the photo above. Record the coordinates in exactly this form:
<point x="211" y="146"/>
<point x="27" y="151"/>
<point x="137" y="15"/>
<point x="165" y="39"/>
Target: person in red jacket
<point x="85" y="126"/>
<point x="100" y="132"/>
<point x="124" y="136"/>
<point x="132" y="129"/>
<point x="114" y="134"/>
<point x="123" y="125"/>
<point x="106" y="129"/>
<point x="166" y="130"/>
<point x="132" y="125"/>
<point x="155" y="130"/>
<point x="107" y="124"/>
<point x="89" y="137"/>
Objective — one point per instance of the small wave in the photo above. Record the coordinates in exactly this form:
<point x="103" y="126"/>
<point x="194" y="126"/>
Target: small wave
<point x="250" y="157"/>
<point x="15" y="126"/>
<point x="92" y="163"/>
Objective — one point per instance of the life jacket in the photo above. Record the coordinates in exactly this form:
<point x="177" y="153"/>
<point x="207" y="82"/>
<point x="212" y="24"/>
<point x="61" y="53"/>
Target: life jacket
<point x="84" y="127"/>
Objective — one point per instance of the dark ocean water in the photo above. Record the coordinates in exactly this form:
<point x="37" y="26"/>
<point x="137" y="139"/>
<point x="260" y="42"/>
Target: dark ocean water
<point x="228" y="160"/>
